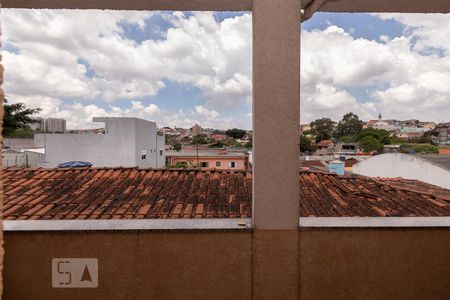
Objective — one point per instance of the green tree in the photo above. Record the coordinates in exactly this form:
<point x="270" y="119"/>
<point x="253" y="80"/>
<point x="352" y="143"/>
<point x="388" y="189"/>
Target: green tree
<point x="235" y="133"/>
<point x="420" y="148"/>
<point x="199" y="140"/>
<point x="233" y="143"/>
<point x="249" y="144"/>
<point x="349" y="125"/>
<point x="177" y="147"/>
<point x="322" y="129"/>
<point x="306" y="144"/>
<point x="381" y="135"/>
<point x="369" y="144"/>
<point x="17" y="118"/>
<point x="186" y="140"/>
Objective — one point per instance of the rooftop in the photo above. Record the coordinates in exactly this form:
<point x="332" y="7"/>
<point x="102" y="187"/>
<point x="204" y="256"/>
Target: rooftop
<point x="130" y="193"/>
<point x="441" y="160"/>
<point x="324" y="143"/>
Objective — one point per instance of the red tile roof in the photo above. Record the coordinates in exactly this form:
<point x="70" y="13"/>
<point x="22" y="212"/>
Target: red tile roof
<point x="129" y="193"/>
<point x="324" y="143"/>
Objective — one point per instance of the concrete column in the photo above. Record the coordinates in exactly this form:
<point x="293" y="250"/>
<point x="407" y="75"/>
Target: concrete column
<point x="276" y="111"/>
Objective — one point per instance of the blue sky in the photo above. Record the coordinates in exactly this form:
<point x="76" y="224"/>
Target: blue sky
<point x="183" y="68"/>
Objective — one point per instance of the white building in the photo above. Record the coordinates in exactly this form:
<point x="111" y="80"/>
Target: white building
<point x="430" y="168"/>
<point x="23" y="158"/>
<point x="55" y="125"/>
<point x="49" y="125"/>
<point x="127" y="142"/>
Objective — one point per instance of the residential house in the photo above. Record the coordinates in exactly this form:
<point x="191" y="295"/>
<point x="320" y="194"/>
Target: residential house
<point x="218" y="137"/>
<point x="343" y="148"/>
<point x="411" y="132"/>
<point x="209" y="159"/>
<point x="325" y="147"/>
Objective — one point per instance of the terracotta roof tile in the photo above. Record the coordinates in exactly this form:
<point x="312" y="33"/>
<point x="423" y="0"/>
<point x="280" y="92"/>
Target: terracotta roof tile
<point x="121" y="193"/>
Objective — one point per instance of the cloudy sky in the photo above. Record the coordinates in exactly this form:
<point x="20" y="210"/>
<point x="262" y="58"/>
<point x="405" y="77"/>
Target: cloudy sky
<point x="184" y="68"/>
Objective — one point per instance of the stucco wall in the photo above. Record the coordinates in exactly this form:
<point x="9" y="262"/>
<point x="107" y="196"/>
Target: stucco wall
<point x="403" y="165"/>
<point x="24" y="159"/>
<point x="133" y="265"/>
<point x="375" y="264"/>
<point x="397" y="263"/>
<point x="19" y="143"/>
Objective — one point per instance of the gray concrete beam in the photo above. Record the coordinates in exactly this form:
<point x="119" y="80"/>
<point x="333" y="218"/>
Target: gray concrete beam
<point x="186" y="5"/>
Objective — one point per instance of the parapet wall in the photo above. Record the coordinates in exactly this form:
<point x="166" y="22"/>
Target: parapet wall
<point x="396" y="263"/>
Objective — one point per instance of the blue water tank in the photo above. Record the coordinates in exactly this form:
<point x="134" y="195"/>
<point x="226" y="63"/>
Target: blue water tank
<point x="337" y="167"/>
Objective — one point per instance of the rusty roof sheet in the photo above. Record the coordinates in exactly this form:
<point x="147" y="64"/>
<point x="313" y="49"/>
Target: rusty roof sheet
<point x="130" y="193"/>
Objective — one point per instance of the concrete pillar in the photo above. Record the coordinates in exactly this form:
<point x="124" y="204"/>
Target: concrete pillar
<point x="276" y="112"/>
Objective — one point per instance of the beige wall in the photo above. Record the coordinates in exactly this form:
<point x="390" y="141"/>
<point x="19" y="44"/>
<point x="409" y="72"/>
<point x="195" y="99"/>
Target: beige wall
<point x="334" y="264"/>
<point x="375" y="264"/>
<point x="241" y="162"/>
<point x="133" y="265"/>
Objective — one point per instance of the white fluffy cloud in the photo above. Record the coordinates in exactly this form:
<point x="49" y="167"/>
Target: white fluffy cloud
<point x="86" y="57"/>
<point x="405" y="77"/>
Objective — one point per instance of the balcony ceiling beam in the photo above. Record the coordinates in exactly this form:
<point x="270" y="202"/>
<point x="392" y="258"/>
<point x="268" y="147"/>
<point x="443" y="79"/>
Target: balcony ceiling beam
<point x="401" y="6"/>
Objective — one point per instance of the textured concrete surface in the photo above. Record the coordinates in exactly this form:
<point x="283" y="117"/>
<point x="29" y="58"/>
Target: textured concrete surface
<point x="133" y="264"/>
<point x="375" y="264"/>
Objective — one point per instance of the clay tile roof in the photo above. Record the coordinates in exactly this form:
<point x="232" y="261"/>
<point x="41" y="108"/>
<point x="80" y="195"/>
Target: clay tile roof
<point x="324" y="143"/>
<point x="129" y="193"/>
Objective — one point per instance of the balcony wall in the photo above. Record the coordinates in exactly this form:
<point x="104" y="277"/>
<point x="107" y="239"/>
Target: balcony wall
<point x="133" y="264"/>
<point x="379" y="263"/>
<point x="334" y="264"/>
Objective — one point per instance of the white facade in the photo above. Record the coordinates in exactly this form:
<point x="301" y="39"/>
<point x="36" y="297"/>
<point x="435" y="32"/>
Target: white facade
<point x="25" y="158"/>
<point x="49" y="125"/>
<point x="383" y="125"/>
<point x="127" y="142"/>
<point x="392" y="165"/>
<point x="55" y="125"/>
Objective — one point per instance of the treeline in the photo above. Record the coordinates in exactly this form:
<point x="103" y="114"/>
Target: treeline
<point x="350" y="129"/>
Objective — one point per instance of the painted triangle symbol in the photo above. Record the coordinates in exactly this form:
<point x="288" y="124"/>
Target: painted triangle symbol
<point x="86" y="275"/>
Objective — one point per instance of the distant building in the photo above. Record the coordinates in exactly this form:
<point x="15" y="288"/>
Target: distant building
<point x="218" y="159"/>
<point x="126" y="142"/>
<point x="347" y="148"/>
<point x="24" y="158"/>
<point x="196" y="130"/>
<point x="443" y="131"/>
<point x="325" y="147"/>
<point x="444" y="151"/>
<point x="388" y="125"/>
<point x="218" y="137"/>
<point x="55" y="125"/>
<point x="392" y="148"/>
<point x="412" y="132"/>
<point x="304" y="127"/>
<point x="430" y="168"/>
<point x="50" y="125"/>
<point x="38" y="124"/>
